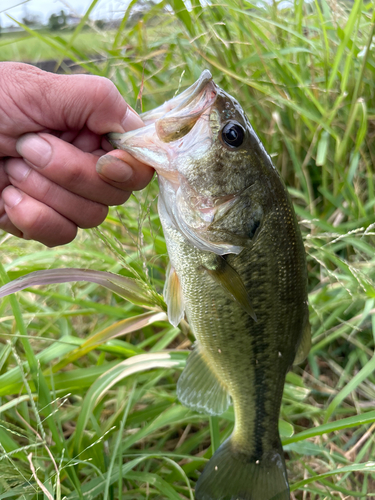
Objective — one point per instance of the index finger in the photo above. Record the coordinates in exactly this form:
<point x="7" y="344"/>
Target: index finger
<point x="42" y="100"/>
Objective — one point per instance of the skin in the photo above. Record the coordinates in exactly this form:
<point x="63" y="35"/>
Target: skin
<point x="57" y="171"/>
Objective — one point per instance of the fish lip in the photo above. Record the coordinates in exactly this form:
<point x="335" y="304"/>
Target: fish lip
<point x="194" y="91"/>
<point x="180" y="101"/>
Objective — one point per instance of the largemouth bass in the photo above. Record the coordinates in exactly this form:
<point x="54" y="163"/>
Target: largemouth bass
<point x="238" y="272"/>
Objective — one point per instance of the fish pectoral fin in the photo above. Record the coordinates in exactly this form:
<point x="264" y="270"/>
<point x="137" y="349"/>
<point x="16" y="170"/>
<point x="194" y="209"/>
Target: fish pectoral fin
<point x="199" y="388"/>
<point x="305" y="345"/>
<point x="232" y="284"/>
<point x="173" y="296"/>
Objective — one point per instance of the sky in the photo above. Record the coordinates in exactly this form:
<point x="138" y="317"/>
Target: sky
<point x="105" y="9"/>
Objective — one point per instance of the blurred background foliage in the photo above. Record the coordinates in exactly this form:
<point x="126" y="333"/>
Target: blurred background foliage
<point x="304" y="72"/>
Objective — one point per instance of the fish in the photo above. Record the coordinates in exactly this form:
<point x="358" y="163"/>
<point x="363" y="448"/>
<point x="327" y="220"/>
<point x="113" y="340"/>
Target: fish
<point x="237" y="271"/>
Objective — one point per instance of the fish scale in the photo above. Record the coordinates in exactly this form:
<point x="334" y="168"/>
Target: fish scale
<point x="211" y="311"/>
<point x="238" y="260"/>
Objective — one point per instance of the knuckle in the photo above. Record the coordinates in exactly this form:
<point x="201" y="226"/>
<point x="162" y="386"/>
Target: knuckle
<point x="106" y="94"/>
<point x="7" y="226"/>
<point x="62" y="238"/>
<point x="46" y="189"/>
<point x="104" y="86"/>
<point x="97" y="215"/>
<point x="119" y="197"/>
<point x="50" y="230"/>
<point x="34" y="222"/>
<point x="74" y="178"/>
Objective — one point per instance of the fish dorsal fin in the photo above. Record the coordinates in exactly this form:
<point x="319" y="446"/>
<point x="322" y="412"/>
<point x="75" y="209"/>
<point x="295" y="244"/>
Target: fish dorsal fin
<point x="231" y="282"/>
<point x="199" y="388"/>
<point x="304" y="347"/>
<point x="173" y="296"/>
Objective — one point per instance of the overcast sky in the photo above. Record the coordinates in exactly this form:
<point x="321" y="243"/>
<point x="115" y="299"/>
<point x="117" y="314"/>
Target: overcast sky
<point x="105" y="9"/>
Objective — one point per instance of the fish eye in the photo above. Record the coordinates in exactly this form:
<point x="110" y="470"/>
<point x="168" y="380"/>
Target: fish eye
<point x="233" y="135"/>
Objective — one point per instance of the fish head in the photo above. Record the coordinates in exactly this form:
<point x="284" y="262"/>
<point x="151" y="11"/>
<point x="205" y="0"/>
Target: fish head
<point x="206" y="154"/>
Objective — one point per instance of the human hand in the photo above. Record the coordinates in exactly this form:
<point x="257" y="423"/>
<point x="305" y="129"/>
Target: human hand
<point x="51" y="137"/>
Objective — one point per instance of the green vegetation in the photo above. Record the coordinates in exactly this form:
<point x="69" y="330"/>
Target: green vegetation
<point x="25" y="47"/>
<point x="85" y="418"/>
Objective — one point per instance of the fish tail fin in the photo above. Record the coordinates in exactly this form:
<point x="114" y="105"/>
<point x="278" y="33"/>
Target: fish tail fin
<point x="230" y="475"/>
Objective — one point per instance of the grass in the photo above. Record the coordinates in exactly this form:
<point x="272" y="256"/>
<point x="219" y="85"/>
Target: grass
<point x="82" y="418"/>
<point x="25" y="47"/>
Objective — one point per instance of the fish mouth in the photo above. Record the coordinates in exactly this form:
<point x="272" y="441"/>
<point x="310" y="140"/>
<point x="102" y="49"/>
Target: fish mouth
<point x="162" y="140"/>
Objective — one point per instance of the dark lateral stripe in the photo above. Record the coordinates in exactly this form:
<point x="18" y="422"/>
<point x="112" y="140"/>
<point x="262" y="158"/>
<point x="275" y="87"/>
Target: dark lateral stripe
<point x="260" y="347"/>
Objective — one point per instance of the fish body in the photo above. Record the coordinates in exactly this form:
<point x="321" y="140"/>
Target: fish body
<point x="238" y="272"/>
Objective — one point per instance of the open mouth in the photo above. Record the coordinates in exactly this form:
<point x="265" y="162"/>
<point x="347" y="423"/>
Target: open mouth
<point x="167" y="124"/>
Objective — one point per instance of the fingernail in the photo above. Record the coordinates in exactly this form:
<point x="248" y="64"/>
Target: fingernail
<point x="131" y="121"/>
<point x="34" y="149"/>
<point x="11" y="196"/>
<point x="113" y="168"/>
<point x="17" y="169"/>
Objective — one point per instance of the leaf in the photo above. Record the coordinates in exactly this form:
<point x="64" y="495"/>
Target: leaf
<point x="127" y="288"/>
<point x="363" y="124"/>
<point x="351" y="386"/>
<point x="117" y="373"/>
<point x="348" y="32"/>
<point x="123" y="327"/>
<point x="365" y="467"/>
<point x="183" y="14"/>
<point x="96" y="486"/>
<point x="345" y="423"/>
<point x="321" y="154"/>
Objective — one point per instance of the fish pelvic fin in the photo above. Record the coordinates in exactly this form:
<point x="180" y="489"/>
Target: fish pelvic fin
<point x="230" y="475"/>
<point x="173" y="297"/>
<point x="305" y="345"/>
<point x="199" y="388"/>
